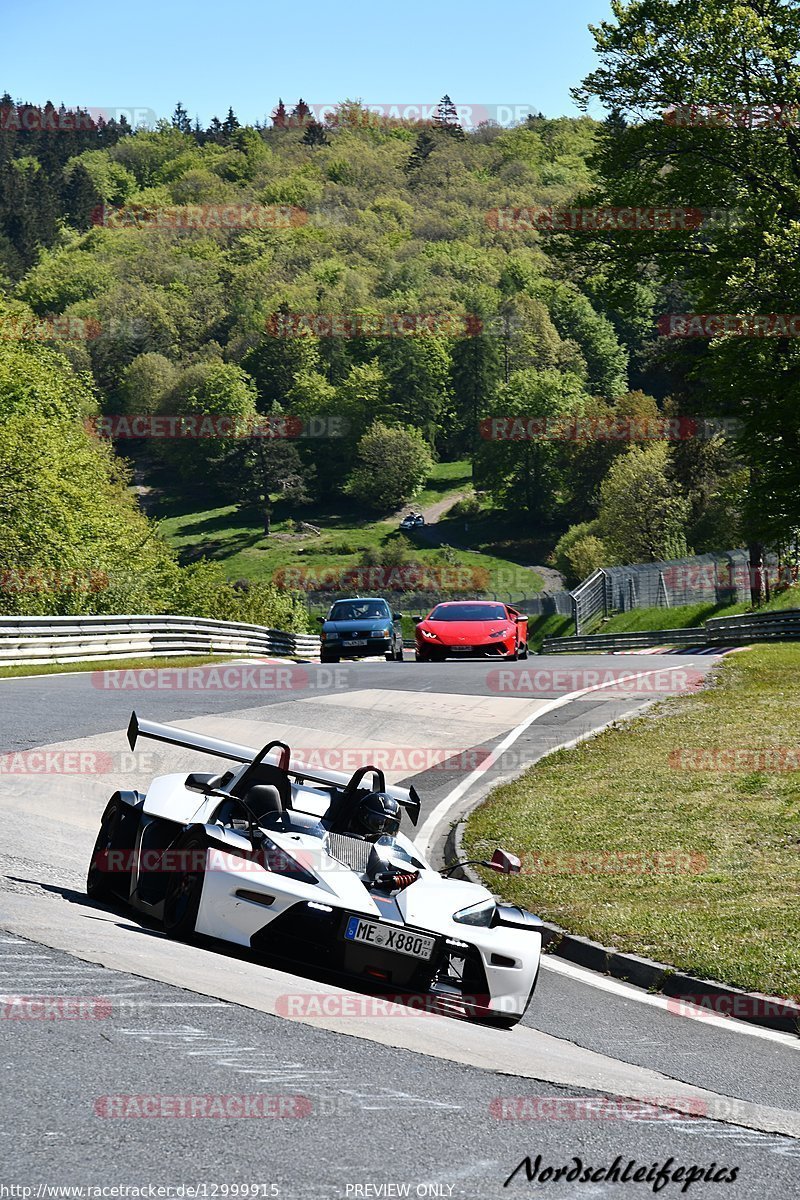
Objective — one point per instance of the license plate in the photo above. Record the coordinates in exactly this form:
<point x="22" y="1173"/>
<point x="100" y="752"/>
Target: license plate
<point x="401" y="941"/>
<point x="463" y="649"/>
<point x="356" y="642"/>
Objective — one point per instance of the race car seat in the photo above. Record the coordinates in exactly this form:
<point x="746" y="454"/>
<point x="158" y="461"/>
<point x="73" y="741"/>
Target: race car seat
<point x="263" y="798"/>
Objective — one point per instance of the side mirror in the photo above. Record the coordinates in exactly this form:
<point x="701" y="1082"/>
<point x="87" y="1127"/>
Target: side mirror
<point x="322" y="620"/>
<point x="505" y="863"/>
<point x="416" y="620"/>
<point x="397" y="616"/>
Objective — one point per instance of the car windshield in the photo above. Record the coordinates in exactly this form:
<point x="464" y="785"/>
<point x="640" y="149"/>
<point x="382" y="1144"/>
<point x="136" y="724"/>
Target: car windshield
<point x="360" y="610"/>
<point x="468" y="612"/>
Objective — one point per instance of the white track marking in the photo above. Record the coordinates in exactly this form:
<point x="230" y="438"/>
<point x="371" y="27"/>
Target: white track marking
<point x="602" y="982"/>
<point x="444" y="807"/>
<point x="606" y="984"/>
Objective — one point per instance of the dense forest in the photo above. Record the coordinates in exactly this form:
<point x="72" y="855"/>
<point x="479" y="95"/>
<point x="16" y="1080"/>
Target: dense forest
<point x="392" y="294"/>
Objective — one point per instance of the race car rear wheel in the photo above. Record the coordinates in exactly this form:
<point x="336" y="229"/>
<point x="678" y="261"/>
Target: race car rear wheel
<point x="185" y="887"/>
<point x="329" y="658"/>
<point x="98" y="879"/>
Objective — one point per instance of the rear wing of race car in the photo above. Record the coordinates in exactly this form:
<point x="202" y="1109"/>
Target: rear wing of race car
<point x="349" y="784"/>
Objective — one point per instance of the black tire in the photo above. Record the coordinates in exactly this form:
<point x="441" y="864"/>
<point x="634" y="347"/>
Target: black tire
<point x="329" y="658"/>
<point x="99" y="879"/>
<point x="498" y="1022"/>
<point x="184" y="889"/>
<point x="479" y="1014"/>
<point x="399" y="655"/>
<point x="524" y="650"/>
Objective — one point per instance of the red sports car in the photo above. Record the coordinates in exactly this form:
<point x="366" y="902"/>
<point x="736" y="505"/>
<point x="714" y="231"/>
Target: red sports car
<point x="460" y="628"/>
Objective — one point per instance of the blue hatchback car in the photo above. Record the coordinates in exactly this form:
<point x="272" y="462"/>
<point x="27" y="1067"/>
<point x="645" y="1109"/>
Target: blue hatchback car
<point x="359" y="628"/>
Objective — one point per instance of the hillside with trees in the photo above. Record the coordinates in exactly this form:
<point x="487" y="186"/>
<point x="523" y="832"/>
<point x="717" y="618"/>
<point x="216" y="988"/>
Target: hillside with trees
<point x="364" y="273"/>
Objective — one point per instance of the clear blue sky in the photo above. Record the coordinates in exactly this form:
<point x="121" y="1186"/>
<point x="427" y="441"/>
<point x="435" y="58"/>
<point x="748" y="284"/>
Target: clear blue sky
<point x="148" y="54"/>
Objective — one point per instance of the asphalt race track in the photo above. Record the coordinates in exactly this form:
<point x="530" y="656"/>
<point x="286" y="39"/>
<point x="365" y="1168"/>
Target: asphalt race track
<point x="388" y="1104"/>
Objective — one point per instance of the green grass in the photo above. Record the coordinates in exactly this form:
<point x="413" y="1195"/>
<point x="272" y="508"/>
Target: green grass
<point x="111" y="664"/>
<point x="236" y="539"/>
<point x="550" y="626"/>
<point x="684" y="617"/>
<point x="726" y="907"/>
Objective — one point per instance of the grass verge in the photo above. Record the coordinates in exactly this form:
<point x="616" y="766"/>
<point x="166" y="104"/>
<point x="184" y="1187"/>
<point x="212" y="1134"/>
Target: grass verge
<point x="711" y="881"/>
<point x="112" y="664"/>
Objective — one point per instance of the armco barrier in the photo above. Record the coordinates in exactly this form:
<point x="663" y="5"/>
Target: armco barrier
<point x="600" y="643"/>
<point x="780" y="626"/>
<point x="28" y="640"/>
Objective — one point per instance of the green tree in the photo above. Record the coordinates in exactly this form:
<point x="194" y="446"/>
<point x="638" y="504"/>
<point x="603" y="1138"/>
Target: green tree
<point x="181" y="120"/>
<point x="642" y="515"/>
<point x="447" y="118"/>
<point x="225" y="394"/>
<point x="315" y="134"/>
<point x="145" y="382"/>
<point x="524" y="471"/>
<point x="660" y="64"/>
<point x="394" y="463"/>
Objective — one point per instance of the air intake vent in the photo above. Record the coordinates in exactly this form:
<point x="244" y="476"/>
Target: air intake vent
<point x="353" y="852"/>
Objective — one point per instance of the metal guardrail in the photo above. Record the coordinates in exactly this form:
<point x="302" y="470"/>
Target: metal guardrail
<point x="600" y="642"/>
<point x="780" y="626"/>
<point x="28" y="640"/>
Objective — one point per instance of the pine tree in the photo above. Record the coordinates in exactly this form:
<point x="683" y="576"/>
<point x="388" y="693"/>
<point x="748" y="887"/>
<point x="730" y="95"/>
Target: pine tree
<point x="180" y="119"/>
<point x="279" y="117"/>
<point x="447" y="118"/>
<point x="215" y="132"/>
<point x="423" y="148"/>
<point x="315" y="134"/>
<point x="230" y="124"/>
<point x="300" y="114"/>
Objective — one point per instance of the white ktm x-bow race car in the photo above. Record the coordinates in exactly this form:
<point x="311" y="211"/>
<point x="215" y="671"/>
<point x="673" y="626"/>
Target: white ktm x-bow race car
<point x="310" y="865"/>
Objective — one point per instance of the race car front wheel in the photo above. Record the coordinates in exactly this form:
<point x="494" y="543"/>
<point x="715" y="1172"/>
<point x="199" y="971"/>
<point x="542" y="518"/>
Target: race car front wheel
<point x="185" y="887"/>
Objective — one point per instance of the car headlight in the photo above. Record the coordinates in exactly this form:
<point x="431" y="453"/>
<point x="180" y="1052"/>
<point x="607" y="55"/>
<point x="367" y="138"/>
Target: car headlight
<point x="476" y="914"/>
<point x="383" y="633"/>
<point x="429" y="634"/>
<point x="275" y="858"/>
<point x="500" y="633"/>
